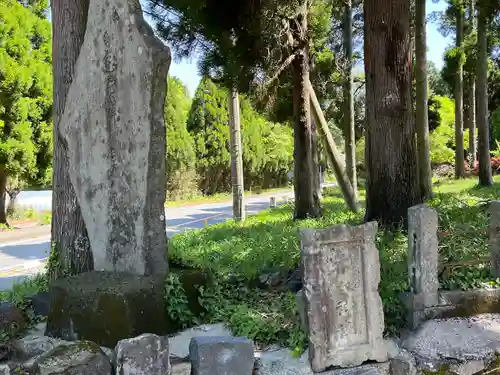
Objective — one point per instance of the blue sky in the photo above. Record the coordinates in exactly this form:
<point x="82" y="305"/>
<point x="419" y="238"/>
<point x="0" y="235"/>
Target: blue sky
<point x="186" y="70"/>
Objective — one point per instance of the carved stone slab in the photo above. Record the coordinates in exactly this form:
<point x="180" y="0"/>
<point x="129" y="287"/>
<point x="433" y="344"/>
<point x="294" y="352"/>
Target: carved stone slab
<point x="344" y="312"/>
<point x="115" y="133"/>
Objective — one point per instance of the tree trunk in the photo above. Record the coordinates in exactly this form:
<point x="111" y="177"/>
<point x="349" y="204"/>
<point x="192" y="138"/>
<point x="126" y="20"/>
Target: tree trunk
<point x="3" y="196"/>
<point x="483" y="130"/>
<point x="349" y="125"/>
<point x="307" y="202"/>
<point x="459" y="92"/>
<point x="69" y="234"/>
<point x="332" y="153"/>
<point x="422" y="125"/>
<point x="471" y="105"/>
<point x="236" y="155"/>
<point x="391" y="155"/>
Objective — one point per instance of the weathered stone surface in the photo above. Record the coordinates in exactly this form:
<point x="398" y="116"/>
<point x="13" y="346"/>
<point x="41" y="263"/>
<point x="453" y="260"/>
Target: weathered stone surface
<point x="33" y="346"/>
<point x="282" y="362"/>
<point x="221" y="356"/>
<point x="181" y="369"/>
<point x="494" y="212"/>
<point x="423" y="259"/>
<point x="403" y="364"/>
<point x="179" y="344"/>
<point x="77" y="358"/>
<point x="466" y="343"/>
<point x="146" y="354"/>
<point x="105" y="307"/>
<point x="115" y="133"/>
<point x="4" y="370"/>
<point x="344" y="310"/>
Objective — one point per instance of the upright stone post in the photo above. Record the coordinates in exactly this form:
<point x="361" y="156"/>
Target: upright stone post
<point x="494" y="234"/>
<point x="343" y="309"/>
<point x="423" y="262"/>
<point x="114" y="132"/>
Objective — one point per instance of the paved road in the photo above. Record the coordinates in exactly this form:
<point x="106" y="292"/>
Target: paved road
<point x="21" y="258"/>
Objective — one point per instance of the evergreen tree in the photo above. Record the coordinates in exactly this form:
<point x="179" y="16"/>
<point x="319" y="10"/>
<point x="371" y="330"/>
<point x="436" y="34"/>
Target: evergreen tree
<point x="25" y="96"/>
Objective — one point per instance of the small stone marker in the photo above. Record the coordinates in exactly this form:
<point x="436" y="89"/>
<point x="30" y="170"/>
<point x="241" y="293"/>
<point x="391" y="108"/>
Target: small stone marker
<point x="345" y="320"/>
<point x="423" y="260"/>
<point x="146" y="354"/>
<point x="272" y="202"/>
<point x="494" y="211"/>
<point x="219" y="355"/>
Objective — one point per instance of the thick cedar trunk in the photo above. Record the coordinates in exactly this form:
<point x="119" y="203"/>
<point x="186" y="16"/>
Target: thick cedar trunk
<point x="459" y="93"/>
<point x="483" y="130"/>
<point x="69" y="234"/>
<point x="422" y="121"/>
<point x="3" y="195"/>
<point x="391" y="155"/>
<point x="350" y="141"/>
<point x="236" y="155"/>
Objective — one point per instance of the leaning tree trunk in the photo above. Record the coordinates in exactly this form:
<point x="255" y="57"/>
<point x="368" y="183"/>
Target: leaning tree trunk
<point x="236" y="155"/>
<point x="349" y="125"/>
<point x="422" y="121"/>
<point x="3" y="195"/>
<point x="69" y="234"/>
<point x="459" y="93"/>
<point x="307" y="202"/>
<point x="391" y="155"/>
<point x="483" y="130"/>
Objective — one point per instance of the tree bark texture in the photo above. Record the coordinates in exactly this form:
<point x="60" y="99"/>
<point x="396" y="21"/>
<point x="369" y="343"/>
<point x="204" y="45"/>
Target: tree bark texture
<point x="391" y="154"/>
<point x="471" y="99"/>
<point x="422" y="121"/>
<point x="3" y="195"/>
<point x="459" y="96"/>
<point x="483" y="130"/>
<point x="350" y="135"/>
<point x="236" y="155"/>
<point x="69" y="234"/>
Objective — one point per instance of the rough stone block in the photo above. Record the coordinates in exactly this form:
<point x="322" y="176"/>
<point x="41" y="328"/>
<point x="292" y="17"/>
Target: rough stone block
<point x="221" y="356"/>
<point x="146" y="354"/>
<point x="423" y="260"/>
<point x="115" y="133"/>
<point x="470" y="344"/>
<point x="77" y="358"/>
<point x="344" y="311"/>
<point x="179" y="344"/>
<point x="403" y="364"/>
<point x="105" y="307"/>
<point x="494" y="234"/>
<point x="4" y="370"/>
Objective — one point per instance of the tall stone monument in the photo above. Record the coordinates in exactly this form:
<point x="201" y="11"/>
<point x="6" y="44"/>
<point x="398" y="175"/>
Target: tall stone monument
<point x="343" y="309"/>
<point x="114" y="128"/>
<point x="115" y="137"/>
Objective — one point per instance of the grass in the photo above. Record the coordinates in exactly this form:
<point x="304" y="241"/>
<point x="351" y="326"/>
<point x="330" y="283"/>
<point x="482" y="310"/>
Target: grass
<point x="269" y="242"/>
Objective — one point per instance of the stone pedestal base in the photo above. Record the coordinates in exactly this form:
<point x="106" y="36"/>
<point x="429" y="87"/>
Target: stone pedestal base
<point x="106" y="307"/>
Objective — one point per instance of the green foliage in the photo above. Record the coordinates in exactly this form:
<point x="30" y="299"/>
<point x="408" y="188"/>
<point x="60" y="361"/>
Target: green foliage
<point x="25" y="92"/>
<point x="267" y="146"/>
<point x="181" y="176"/>
<point x="495" y="124"/>
<point x="269" y="241"/>
<point x="442" y="138"/>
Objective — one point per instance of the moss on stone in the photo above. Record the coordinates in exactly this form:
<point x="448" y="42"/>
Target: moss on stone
<point x="106" y="307"/>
